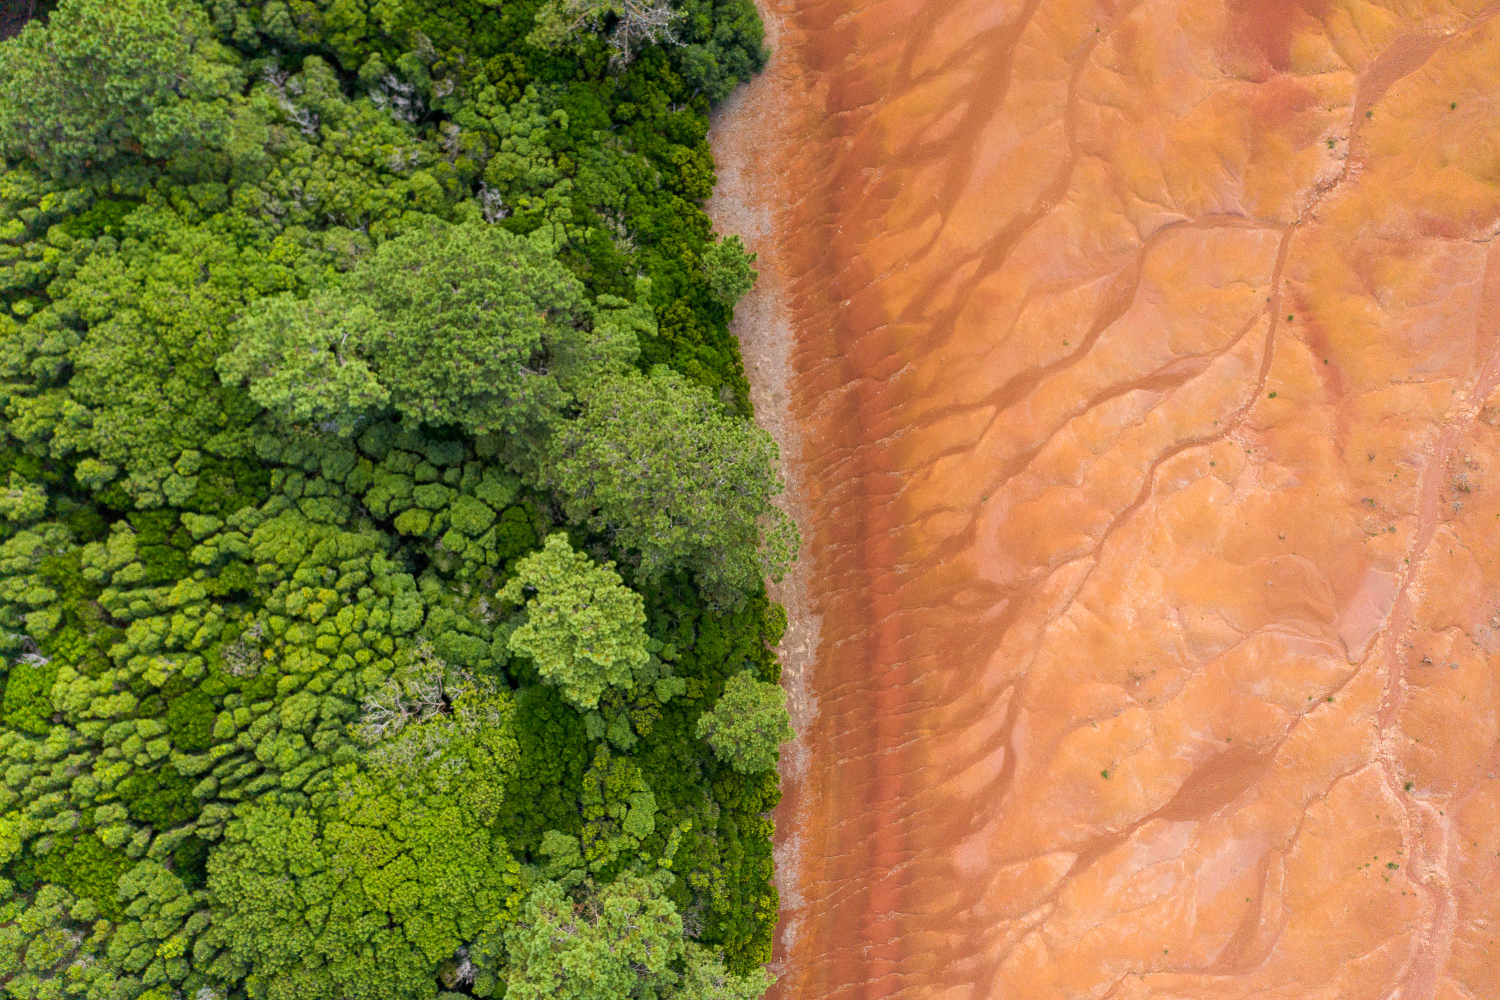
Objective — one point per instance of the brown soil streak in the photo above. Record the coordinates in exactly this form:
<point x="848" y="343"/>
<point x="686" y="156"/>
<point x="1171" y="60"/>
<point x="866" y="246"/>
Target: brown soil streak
<point x="1135" y="367"/>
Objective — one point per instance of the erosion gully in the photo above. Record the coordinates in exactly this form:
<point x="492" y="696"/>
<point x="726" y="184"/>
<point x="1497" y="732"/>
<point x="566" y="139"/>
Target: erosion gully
<point x="1134" y="366"/>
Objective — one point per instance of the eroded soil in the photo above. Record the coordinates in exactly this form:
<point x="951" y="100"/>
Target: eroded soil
<point x="1142" y="367"/>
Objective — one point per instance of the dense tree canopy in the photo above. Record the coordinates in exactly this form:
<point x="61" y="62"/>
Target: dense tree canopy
<point x="658" y="463"/>
<point x="368" y="896"/>
<point x="445" y="324"/>
<point x="111" y="78"/>
<point x="380" y="515"/>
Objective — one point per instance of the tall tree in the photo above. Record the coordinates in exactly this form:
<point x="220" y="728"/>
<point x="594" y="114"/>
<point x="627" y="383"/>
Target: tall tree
<point x="620" y="943"/>
<point x="583" y="625"/>
<point x="658" y="463"/>
<point x="104" y="78"/>
<point x="748" y="724"/>
<point x="448" y="324"/>
<point x="727" y="266"/>
<point x="623" y="941"/>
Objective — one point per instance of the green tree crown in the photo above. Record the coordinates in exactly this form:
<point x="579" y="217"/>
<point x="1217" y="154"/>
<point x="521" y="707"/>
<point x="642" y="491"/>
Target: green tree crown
<point x="748" y="724"/>
<point x="584" y="627"/>
<point x="105" y="78"/>
<point x="623" y="941"/>
<point x="657" y="462"/>
<point x="447" y="324"/>
<point x="727" y="266"/>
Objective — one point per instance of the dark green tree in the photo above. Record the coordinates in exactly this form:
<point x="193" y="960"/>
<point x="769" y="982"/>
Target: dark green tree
<point x="447" y="324"/>
<point x="106" y="78"/>
<point x="657" y="463"/>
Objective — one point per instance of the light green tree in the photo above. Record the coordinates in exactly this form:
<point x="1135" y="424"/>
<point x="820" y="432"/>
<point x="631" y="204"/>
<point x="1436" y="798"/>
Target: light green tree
<point x="748" y="724"/>
<point x="656" y="462"/>
<point x="367" y="898"/>
<point x="583" y="625"/>
<point x="727" y="265"/>
<point x="449" y="324"/>
<point x="107" y="77"/>
<point x="705" y="978"/>
<point x="621" y="943"/>
<point x="303" y="359"/>
<point x="24" y="502"/>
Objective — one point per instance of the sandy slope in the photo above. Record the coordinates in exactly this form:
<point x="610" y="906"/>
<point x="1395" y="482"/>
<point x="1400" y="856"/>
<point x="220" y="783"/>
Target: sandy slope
<point x="1137" y="365"/>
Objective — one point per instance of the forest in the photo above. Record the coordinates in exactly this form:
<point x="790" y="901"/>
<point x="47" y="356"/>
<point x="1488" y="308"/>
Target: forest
<point x="383" y="527"/>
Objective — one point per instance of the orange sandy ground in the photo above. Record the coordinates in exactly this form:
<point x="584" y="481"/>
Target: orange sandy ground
<point x="1143" y="368"/>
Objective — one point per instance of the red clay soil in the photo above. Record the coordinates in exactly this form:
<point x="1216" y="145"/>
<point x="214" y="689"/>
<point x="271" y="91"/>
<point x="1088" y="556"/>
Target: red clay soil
<point x="1140" y="401"/>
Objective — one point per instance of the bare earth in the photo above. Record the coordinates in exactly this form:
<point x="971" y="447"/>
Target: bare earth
<point x="1137" y="368"/>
